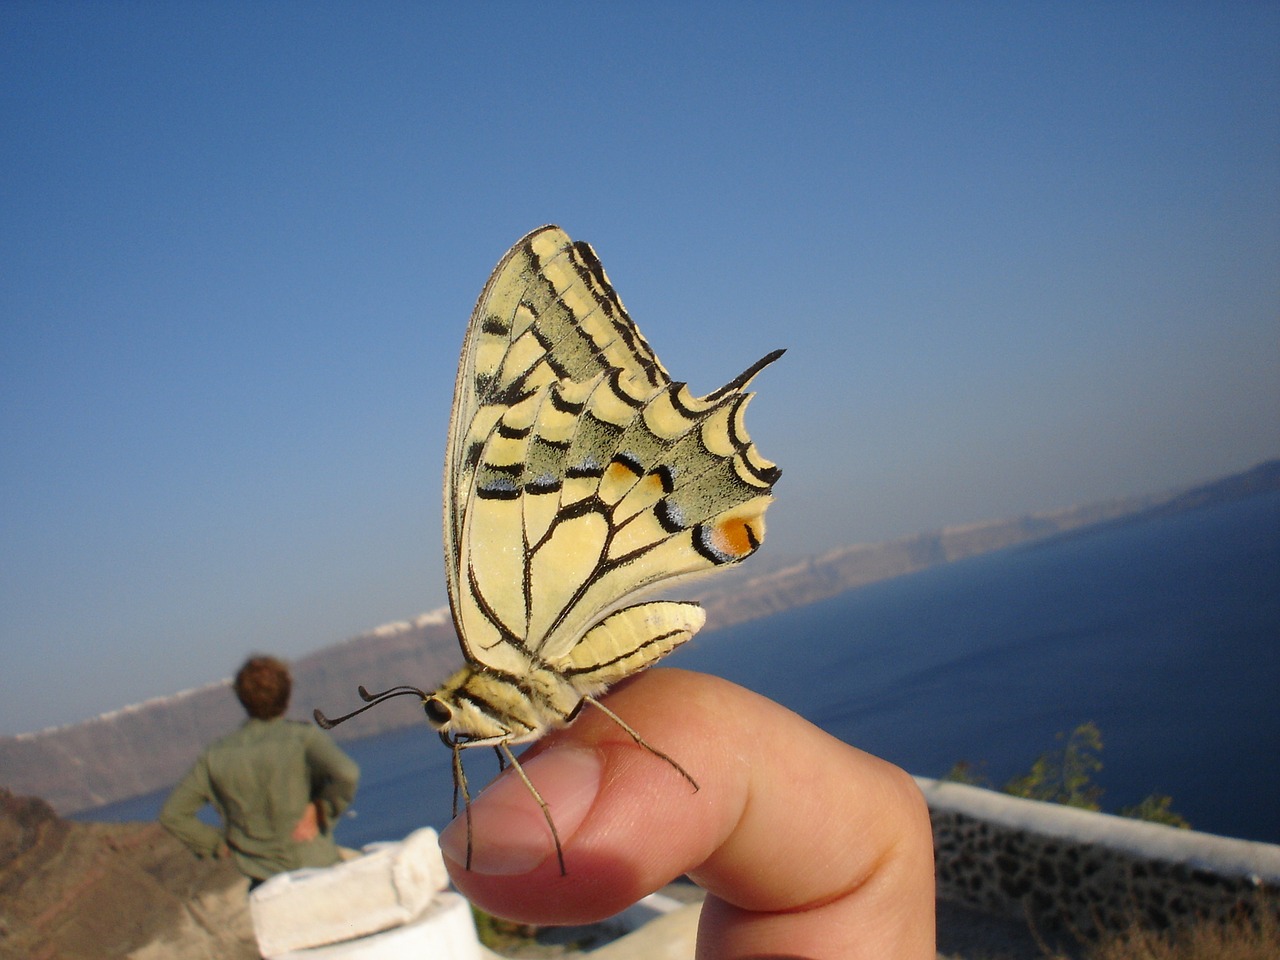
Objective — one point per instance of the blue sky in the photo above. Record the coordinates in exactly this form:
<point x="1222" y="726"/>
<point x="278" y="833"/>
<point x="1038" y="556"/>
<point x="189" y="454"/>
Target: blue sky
<point x="1021" y="256"/>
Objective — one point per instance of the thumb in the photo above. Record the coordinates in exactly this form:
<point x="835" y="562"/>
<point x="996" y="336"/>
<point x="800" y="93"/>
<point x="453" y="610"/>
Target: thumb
<point x="807" y="846"/>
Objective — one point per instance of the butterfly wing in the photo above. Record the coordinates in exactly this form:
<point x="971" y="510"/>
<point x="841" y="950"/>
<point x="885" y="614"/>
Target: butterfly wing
<point x="547" y="314"/>
<point x="577" y="473"/>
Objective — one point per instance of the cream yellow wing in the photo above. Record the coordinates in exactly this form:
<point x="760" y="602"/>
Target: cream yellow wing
<point x="578" y="475"/>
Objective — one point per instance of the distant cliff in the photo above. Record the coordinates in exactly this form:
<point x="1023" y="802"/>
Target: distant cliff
<point x="818" y="578"/>
<point x="150" y="745"/>
<point x="146" y="747"/>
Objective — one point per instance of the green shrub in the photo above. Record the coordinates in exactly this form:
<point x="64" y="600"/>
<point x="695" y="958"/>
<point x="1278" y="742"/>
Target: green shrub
<point x="1065" y="775"/>
<point x="1157" y="809"/>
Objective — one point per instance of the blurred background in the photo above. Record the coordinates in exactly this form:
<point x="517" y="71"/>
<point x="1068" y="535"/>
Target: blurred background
<point x="1021" y="257"/>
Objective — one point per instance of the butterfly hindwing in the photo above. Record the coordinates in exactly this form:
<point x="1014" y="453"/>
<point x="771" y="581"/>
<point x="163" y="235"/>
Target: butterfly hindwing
<point x="577" y="475"/>
<point x="629" y="640"/>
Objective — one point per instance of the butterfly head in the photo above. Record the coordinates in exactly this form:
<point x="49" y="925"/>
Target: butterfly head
<point x="450" y="722"/>
<point x="439" y="714"/>
<point x="476" y="707"/>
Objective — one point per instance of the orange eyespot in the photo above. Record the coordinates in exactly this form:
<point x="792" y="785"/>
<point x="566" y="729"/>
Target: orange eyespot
<point x="728" y="541"/>
<point x="735" y="538"/>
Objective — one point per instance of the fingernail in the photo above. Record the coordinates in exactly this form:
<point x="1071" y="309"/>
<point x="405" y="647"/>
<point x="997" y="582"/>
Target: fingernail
<point x="509" y="833"/>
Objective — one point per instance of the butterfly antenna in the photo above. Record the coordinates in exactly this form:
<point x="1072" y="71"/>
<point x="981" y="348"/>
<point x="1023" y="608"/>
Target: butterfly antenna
<point x="371" y="700"/>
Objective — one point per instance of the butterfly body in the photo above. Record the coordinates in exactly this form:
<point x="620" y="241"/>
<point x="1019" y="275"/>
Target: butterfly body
<point x="480" y="706"/>
<point x="578" y="475"/>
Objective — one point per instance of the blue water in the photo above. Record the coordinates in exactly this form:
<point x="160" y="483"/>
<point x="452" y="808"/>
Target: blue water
<point x="1162" y="632"/>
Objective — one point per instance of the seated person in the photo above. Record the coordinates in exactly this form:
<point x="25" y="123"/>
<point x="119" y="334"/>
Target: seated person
<point x="278" y="785"/>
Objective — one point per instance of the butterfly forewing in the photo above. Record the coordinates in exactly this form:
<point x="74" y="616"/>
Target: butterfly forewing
<point x="547" y="315"/>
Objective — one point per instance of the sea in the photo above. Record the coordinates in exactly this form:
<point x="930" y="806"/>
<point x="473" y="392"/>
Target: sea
<point x="1162" y="631"/>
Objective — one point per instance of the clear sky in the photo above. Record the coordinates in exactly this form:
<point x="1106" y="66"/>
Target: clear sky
<point x="1021" y="255"/>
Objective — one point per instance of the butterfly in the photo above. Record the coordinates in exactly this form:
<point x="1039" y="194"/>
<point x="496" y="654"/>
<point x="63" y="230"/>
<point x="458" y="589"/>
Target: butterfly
<point x="578" y="475"/>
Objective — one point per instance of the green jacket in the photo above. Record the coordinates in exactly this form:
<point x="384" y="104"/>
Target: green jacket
<point x="260" y="780"/>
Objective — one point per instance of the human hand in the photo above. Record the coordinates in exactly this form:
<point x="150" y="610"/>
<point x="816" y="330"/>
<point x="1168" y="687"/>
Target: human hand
<point x="308" y="826"/>
<point x="806" y="846"/>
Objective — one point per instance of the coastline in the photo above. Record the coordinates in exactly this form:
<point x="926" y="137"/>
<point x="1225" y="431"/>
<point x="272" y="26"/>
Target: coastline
<point x="137" y="749"/>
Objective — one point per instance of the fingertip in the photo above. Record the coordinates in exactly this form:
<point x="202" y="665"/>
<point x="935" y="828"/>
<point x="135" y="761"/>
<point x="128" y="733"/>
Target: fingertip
<point x="514" y="828"/>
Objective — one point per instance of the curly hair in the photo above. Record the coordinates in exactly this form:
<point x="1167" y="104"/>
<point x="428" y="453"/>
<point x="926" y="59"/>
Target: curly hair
<point x="263" y="685"/>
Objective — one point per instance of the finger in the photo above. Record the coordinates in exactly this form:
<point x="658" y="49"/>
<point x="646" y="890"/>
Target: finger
<point x="807" y="846"/>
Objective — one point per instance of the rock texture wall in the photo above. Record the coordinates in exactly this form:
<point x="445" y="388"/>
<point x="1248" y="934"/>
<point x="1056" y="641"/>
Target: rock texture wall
<point x="1081" y="872"/>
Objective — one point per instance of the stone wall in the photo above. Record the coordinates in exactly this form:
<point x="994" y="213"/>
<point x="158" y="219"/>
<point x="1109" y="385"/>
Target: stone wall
<point x="1068" y="870"/>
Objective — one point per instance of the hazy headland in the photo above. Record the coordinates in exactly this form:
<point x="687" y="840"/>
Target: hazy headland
<point x="145" y="747"/>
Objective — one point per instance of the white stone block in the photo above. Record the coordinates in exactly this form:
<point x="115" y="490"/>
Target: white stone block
<point x="389" y="885"/>
<point x="445" y="931"/>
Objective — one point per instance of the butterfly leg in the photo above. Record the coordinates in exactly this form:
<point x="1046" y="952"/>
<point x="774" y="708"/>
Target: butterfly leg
<point x="546" y="811"/>
<point x="640" y="740"/>
<point x="460" y="783"/>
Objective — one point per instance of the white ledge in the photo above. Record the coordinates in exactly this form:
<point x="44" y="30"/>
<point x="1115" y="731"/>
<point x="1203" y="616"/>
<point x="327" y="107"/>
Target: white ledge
<point x="1224" y="856"/>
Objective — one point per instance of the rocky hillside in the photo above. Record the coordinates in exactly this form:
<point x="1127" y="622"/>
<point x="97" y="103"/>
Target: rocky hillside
<point x="92" y="891"/>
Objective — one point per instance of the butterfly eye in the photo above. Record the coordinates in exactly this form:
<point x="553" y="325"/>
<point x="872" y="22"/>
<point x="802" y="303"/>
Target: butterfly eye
<point x="438" y="712"/>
